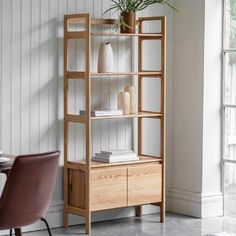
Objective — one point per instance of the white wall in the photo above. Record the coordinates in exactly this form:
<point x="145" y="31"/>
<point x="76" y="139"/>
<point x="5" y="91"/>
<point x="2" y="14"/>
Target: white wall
<point x="31" y="84"/>
<point x="211" y="178"/>
<point x="187" y="119"/>
<point x="195" y="179"/>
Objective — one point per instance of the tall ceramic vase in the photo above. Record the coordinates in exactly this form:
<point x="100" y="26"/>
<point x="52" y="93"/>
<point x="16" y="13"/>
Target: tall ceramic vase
<point x="105" y="58"/>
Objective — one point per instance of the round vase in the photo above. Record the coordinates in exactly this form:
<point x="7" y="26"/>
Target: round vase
<point x="105" y="58"/>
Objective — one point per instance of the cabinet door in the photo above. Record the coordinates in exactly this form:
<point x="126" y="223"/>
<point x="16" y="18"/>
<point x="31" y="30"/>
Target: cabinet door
<point x="76" y="188"/>
<point x="108" y="188"/>
<point x="144" y="184"/>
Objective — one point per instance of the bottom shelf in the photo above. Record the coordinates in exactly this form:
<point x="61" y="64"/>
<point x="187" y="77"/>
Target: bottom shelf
<point x="142" y="159"/>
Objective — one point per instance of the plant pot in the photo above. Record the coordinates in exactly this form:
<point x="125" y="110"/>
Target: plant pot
<point x="128" y="22"/>
<point x="105" y="58"/>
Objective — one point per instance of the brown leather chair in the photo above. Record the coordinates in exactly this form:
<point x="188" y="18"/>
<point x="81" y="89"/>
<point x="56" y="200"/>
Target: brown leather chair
<point x="28" y="191"/>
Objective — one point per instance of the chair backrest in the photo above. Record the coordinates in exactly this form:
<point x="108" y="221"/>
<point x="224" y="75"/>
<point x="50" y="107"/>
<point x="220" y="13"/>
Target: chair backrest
<point x="28" y="189"/>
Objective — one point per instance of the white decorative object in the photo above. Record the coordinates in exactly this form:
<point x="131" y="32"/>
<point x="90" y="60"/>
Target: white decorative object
<point x="105" y="58"/>
<point x="124" y="102"/>
<point x="133" y="102"/>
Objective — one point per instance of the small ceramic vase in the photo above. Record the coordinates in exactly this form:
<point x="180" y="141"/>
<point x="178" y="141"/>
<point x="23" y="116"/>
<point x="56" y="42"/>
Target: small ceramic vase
<point x="124" y="102"/>
<point x="133" y="101"/>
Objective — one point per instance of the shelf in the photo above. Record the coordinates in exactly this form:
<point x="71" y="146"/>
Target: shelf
<point x="82" y="35"/>
<point x="82" y="118"/>
<point x="96" y="164"/>
<point x="75" y="118"/>
<point x="146" y="35"/>
<point x="81" y="74"/>
<point x="75" y="74"/>
<point x="144" y="73"/>
<point x="75" y="35"/>
<point x="75" y="19"/>
<point x="139" y="114"/>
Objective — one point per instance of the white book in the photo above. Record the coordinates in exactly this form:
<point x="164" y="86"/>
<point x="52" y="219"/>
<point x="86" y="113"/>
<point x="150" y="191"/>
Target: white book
<point x="103" y="112"/>
<point x="116" y="157"/>
<point x="107" y="113"/>
<point x="117" y="152"/>
<point x="110" y="160"/>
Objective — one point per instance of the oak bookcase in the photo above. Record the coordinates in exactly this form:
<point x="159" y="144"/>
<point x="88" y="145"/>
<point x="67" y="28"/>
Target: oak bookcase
<point x="93" y="186"/>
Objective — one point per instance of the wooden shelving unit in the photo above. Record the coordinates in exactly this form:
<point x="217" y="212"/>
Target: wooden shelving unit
<point x="93" y="186"/>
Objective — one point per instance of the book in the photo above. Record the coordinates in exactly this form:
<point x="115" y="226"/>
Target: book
<point x="117" y="156"/>
<point x="117" y="152"/>
<point x="115" y="160"/>
<point x="103" y="112"/>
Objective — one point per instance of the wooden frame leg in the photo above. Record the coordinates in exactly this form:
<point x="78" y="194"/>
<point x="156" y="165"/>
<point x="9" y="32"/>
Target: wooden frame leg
<point x="66" y="220"/>
<point x="163" y="213"/>
<point x="138" y="211"/>
<point x="88" y="223"/>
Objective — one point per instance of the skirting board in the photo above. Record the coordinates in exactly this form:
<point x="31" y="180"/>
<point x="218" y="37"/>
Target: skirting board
<point x="195" y="204"/>
<point x="55" y="217"/>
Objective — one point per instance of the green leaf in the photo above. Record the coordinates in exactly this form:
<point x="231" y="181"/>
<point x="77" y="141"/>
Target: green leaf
<point x="137" y="5"/>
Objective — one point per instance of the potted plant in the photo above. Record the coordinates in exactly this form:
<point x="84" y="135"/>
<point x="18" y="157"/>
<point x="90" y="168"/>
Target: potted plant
<point x="128" y="8"/>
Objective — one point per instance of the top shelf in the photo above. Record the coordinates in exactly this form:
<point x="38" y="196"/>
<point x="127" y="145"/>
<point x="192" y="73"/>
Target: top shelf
<point x="80" y="19"/>
<point x="82" y="35"/>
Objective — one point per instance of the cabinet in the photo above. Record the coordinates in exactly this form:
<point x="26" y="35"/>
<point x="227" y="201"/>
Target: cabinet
<point x="93" y="186"/>
<point x="116" y="187"/>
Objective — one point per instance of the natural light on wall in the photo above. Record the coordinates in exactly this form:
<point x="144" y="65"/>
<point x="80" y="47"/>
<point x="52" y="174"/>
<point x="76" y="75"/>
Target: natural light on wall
<point x="229" y="106"/>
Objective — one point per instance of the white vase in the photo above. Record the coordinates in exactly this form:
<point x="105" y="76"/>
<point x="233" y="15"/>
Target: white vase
<point x="105" y="58"/>
<point x="133" y="101"/>
<point x="124" y="102"/>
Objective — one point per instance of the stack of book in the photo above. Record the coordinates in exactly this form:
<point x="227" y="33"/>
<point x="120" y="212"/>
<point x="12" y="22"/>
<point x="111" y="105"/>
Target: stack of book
<point x="103" y="112"/>
<point x="115" y="156"/>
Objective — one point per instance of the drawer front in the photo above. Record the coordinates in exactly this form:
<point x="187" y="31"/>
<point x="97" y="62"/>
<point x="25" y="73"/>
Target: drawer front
<point x="108" y="188"/>
<point x="144" y="184"/>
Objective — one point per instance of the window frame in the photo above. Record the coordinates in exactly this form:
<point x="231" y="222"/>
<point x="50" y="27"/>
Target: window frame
<point x="224" y="105"/>
<point x="225" y="51"/>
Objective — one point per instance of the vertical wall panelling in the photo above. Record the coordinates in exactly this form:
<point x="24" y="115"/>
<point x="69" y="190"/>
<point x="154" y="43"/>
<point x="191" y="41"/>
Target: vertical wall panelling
<point x="35" y="77"/>
<point x="16" y="76"/>
<point x="105" y="92"/>
<point x="96" y="82"/>
<point x="7" y="75"/>
<point x="25" y="76"/>
<point x="44" y="73"/>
